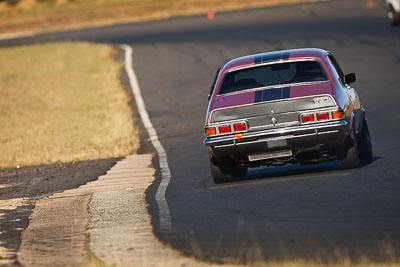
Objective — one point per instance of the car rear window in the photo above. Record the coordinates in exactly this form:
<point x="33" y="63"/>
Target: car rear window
<point x="273" y="74"/>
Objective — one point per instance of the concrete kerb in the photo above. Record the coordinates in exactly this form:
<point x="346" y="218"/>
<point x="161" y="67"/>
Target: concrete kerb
<point x="106" y="219"/>
<point x="39" y="240"/>
<point x="15" y="35"/>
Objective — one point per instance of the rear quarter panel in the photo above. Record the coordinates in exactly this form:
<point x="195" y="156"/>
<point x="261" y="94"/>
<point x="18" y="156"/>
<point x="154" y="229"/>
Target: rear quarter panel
<point x="340" y="93"/>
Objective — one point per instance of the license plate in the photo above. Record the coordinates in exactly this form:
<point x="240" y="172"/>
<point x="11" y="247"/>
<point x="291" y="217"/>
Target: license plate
<point x="276" y="143"/>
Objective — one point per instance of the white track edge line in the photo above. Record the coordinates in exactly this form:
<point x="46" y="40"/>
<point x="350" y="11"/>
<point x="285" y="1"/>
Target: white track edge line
<point x="163" y="210"/>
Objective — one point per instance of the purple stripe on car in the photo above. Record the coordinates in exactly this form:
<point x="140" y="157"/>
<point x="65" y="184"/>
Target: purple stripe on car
<point x="311" y="89"/>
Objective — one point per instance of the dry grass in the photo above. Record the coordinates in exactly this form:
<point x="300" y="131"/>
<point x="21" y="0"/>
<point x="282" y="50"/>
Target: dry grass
<point x="63" y="14"/>
<point x="61" y="103"/>
<point x="294" y="263"/>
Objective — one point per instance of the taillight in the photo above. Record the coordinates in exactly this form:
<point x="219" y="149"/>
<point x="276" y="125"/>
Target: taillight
<point x="210" y="131"/>
<point x="307" y="118"/>
<point x="337" y="115"/>
<point x="322" y="116"/>
<point x="216" y="130"/>
<point x="239" y="127"/>
<point x="225" y="129"/>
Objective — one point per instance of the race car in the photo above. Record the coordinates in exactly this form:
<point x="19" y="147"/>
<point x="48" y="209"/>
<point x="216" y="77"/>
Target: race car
<point x="393" y="12"/>
<point x="293" y="106"/>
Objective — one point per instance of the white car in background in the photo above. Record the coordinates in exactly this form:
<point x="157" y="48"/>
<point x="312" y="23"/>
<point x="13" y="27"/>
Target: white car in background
<point x="393" y="11"/>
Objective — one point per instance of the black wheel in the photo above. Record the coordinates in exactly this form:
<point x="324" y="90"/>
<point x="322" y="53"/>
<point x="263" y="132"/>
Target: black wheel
<point x="348" y="157"/>
<point x="393" y="16"/>
<point x="364" y="145"/>
<point x="226" y="170"/>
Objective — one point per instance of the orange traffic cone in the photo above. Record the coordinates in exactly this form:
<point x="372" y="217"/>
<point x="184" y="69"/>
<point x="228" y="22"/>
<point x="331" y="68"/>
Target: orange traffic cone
<point x="210" y="14"/>
<point x="370" y="4"/>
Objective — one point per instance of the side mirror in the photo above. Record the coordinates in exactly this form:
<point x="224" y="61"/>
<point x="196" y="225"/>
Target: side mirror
<point x="209" y="96"/>
<point x="350" y="78"/>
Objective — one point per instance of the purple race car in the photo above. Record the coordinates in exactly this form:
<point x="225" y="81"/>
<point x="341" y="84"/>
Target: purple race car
<point x="293" y="106"/>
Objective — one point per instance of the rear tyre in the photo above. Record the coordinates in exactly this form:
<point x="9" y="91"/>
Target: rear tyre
<point x="226" y="170"/>
<point x="364" y="145"/>
<point x="349" y="157"/>
<point x="393" y="16"/>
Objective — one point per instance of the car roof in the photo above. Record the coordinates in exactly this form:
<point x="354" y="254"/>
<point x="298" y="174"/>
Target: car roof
<point x="275" y="56"/>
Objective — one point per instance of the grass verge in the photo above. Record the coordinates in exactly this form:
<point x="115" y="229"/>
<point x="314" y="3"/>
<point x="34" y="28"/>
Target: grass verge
<point x="32" y="15"/>
<point x="61" y="103"/>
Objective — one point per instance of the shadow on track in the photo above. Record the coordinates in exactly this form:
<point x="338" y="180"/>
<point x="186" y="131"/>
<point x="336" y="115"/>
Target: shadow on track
<point x="289" y="172"/>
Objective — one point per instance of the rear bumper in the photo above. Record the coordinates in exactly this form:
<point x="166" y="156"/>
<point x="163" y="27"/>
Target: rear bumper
<point x="329" y="135"/>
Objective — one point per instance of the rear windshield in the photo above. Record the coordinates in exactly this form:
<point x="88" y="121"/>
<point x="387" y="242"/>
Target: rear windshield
<point x="271" y="75"/>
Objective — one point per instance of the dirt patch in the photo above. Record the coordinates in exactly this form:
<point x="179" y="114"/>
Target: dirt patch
<point x="13" y="220"/>
<point x="56" y="233"/>
<point x="20" y="186"/>
<point x="40" y="181"/>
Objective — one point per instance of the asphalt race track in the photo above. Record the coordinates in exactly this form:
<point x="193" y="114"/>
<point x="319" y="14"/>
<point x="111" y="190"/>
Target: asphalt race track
<point x="295" y="211"/>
